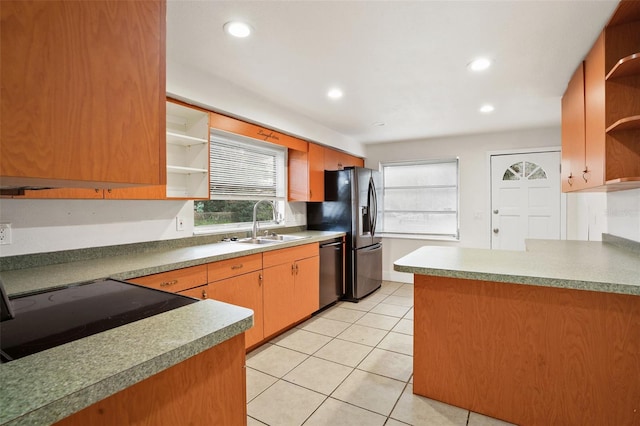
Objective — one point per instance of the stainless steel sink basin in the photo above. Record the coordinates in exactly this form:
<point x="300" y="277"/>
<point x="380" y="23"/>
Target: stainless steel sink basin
<point x="271" y="239"/>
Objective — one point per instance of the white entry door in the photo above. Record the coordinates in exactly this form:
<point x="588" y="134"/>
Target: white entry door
<point x="525" y="198"/>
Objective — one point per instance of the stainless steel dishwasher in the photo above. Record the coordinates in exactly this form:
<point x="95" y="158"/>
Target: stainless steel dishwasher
<point x="331" y="272"/>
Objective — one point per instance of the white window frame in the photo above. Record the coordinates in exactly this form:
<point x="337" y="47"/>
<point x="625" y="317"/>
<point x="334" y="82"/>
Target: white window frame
<point x="455" y="234"/>
<point x="278" y="200"/>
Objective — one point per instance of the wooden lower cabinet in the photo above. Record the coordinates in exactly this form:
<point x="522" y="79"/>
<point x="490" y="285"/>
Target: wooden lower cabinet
<point x="246" y="291"/>
<point x="278" y="299"/>
<point x="291" y="286"/>
<point x="206" y="389"/>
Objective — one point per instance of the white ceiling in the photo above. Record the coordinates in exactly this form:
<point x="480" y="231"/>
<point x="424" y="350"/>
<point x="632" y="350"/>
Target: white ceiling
<point x="398" y="62"/>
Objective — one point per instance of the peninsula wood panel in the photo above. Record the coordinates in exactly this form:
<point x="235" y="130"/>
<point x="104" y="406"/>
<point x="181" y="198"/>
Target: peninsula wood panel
<point x="85" y="93"/>
<point x="526" y="354"/>
<point x="206" y="389"/>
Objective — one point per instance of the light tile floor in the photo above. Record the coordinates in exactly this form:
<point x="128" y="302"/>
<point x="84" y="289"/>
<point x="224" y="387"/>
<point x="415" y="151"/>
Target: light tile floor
<point x="350" y="365"/>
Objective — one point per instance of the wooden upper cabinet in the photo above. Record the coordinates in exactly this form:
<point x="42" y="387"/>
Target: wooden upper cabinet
<point x="608" y="119"/>
<point x="306" y="170"/>
<point x="316" y="172"/>
<point x="337" y="160"/>
<point x="83" y="93"/>
<point x="573" y="138"/>
<point x="594" y="107"/>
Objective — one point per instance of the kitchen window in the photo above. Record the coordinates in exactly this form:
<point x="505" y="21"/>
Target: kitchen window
<point x="242" y="171"/>
<point x="421" y="198"/>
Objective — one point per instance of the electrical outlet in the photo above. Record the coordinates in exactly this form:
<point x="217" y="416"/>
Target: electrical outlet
<point x="179" y="224"/>
<point x="5" y="233"/>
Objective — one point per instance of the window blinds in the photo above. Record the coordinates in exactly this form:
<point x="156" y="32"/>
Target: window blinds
<point x="245" y="170"/>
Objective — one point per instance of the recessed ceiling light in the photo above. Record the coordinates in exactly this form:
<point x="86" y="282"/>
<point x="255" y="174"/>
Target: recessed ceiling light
<point x="237" y="29"/>
<point x="334" y="93"/>
<point x="378" y="124"/>
<point x="486" y="109"/>
<point x="479" y="64"/>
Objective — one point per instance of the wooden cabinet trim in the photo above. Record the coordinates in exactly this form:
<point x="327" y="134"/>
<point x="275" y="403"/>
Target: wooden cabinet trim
<point x="233" y="125"/>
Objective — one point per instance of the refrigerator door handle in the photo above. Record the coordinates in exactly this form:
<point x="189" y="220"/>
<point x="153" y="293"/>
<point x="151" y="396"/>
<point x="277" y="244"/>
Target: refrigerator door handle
<point x="373" y="210"/>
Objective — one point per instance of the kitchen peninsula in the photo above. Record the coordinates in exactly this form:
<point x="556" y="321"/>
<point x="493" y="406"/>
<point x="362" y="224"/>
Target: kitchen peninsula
<point x="546" y="336"/>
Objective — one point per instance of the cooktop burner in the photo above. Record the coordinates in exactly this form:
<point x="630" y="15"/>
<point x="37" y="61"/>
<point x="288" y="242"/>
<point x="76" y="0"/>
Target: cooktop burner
<point x="48" y="319"/>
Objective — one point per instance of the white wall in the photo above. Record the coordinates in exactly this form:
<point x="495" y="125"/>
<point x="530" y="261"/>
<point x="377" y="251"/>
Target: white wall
<point x="474" y="182"/>
<point x="40" y="226"/>
<point x="224" y="97"/>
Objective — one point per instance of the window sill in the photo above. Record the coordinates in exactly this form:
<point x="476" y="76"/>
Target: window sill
<point x="418" y="237"/>
<point x="229" y="230"/>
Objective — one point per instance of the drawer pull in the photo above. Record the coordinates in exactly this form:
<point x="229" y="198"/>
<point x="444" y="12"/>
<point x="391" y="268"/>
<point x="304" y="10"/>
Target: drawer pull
<point x="168" y="283"/>
<point x="239" y="266"/>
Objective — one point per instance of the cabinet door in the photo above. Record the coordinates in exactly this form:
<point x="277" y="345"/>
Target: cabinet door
<point x="594" y="99"/>
<point x="573" y="132"/>
<point x="298" y="169"/>
<point x="316" y="172"/>
<point x="278" y="298"/>
<point x="84" y="97"/>
<point x="246" y="291"/>
<point x="307" y="287"/>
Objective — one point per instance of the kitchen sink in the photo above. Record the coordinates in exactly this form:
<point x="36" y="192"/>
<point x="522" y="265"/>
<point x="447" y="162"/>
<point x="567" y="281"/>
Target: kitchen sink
<point x="272" y="239"/>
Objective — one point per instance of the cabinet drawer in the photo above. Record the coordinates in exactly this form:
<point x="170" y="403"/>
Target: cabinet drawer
<point x="233" y="267"/>
<point x="197" y="292"/>
<point x="289" y="255"/>
<point x="174" y="281"/>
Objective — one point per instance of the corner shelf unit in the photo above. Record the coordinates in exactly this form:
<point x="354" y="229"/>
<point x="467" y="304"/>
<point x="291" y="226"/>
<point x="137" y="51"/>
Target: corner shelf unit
<point x="187" y="152"/>
<point x="622" y="98"/>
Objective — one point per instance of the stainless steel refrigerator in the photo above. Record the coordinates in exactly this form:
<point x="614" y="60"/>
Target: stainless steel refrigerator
<point x="352" y="205"/>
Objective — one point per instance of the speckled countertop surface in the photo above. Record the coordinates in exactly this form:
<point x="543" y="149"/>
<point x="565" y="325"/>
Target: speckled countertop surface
<point x="47" y="386"/>
<point x="582" y="265"/>
<point x="127" y="266"/>
<point x="44" y="387"/>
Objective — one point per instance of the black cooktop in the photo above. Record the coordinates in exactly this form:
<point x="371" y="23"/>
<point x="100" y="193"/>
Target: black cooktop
<point x="47" y="319"/>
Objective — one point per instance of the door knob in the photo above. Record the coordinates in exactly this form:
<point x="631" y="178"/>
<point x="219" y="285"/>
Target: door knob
<point x="496" y="230"/>
<point x="496" y="211"/>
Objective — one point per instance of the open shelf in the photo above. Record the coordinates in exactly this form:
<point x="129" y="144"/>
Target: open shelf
<point x="627" y="123"/>
<point x="187" y="151"/>
<point x="625" y="67"/>
<point x="184" y="140"/>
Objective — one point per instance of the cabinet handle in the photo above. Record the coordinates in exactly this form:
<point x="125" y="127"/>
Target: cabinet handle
<point x="260" y="279"/>
<point x="237" y="266"/>
<point x="296" y="269"/>
<point x="585" y="174"/>
<point x="293" y="269"/>
<point x="204" y="294"/>
<point x="168" y="283"/>
<point x="570" y="179"/>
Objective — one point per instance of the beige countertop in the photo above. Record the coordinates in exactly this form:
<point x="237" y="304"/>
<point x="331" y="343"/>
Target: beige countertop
<point x="582" y="265"/>
<point x="47" y="386"/>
